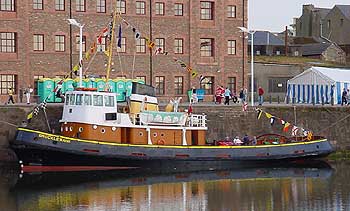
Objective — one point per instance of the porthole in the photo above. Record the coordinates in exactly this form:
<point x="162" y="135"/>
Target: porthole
<point x="103" y="130"/>
<point x="61" y="129"/>
<point x="114" y="128"/>
<point x="162" y="134"/>
<point x="140" y="133"/>
<point x="94" y="127"/>
<point x="66" y="128"/>
<point x="70" y="128"/>
<point x="155" y="134"/>
<point x="81" y="129"/>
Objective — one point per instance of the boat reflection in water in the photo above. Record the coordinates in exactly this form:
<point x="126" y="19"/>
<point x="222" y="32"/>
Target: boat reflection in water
<point x="275" y="188"/>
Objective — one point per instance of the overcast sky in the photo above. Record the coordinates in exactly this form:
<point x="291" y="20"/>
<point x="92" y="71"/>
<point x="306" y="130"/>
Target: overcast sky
<point x="274" y="15"/>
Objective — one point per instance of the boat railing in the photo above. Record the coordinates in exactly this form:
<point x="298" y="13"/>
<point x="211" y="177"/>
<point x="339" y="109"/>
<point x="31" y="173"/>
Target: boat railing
<point x="197" y="120"/>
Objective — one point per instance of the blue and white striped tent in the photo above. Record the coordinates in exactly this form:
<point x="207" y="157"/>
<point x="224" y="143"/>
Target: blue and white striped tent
<point x="319" y="85"/>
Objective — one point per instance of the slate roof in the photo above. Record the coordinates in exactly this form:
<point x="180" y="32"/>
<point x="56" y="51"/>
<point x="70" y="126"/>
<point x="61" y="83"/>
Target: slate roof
<point x="345" y="9"/>
<point x="323" y="12"/>
<point x="314" y="48"/>
<point x="266" y="38"/>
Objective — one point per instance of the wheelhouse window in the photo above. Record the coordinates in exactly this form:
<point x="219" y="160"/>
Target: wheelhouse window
<point x="38" y="42"/>
<point x="160" y="44"/>
<point x="72" y="99"/>
<point x="207" y="85"/>
<point x="141" y="45"/>
<point x="231" y="47"/>
<point x="77" y="41"/>
<point x="140" y="8"/>
<point x="231" y="11"/>
<point x="38" y="4"/>
<point x="122" y="49"/>
<point x="178" y="46"/>
<point x="179" y="85"/>
<point x="98" y="100"/>
<point x="80" y="5"/>
<point x="178" y="9"/>
<point x="159" y="8"/>
<point x="60" y="43"/>
<point x="8" y="42"/>
<point x="59" y="5"/>
<point x="101" y="6"/>
<point x="207" y="10"/>
<point x="79" y="100"/>
<point x="206" y="47"/>
<point x="121" y="6"/>
<point x="7" y="5"/>
<point x="7" y="82"/>
<point x="109" y="101"/>
<point x="160" y="85"/>
<point x="87" y="100"/>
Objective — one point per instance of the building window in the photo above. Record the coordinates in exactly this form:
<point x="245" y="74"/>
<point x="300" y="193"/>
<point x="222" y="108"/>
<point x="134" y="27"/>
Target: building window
<point x="278" y="85"/>
<point x="140" y="8"/>
<point x="122" y="49"/>
<point x="232" y="84"/>
<point x="160" y="44"/>
<point x="207" y="85"/>
<point x="80" y="5"/>
<point x="121" y="6"/>
<point x="159" y="8"/>
<point x="142" y="78"/>
<point x="6" y="82"/>
<point x="59" y="5"/>
<point x="141" y="45"/>
<point x="178" y="46"/>
<point x="178" y="85"/>
<point x="329" y="23"/>
<point x="341" y="22"/>
<point x="231" y="47"/>
<point x="207" y="10"/>
<point x="160" y="85"/>
<point x="38" y="42"/>
<point x="36" y="79"/>
<point x="101" y="6"/>
<point x="38" y="4"/>
<point x="8" y="42"/>
<point x="178" y="9"/>
<point x="77" y="41"/>
<point x="101" y="44"/>
<point x="7" y="5"/>
<point x="60" y="43"/>
<point x="231" y="11"/>
<point x="206" y="47"/>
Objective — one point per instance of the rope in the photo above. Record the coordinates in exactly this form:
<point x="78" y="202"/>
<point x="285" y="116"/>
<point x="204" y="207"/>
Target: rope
<point x="9" y="123"/>
<point x="335" y="123"/>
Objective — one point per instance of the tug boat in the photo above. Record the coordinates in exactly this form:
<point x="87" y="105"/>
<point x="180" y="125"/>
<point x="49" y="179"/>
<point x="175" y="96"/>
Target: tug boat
<point x="96" y="130"/>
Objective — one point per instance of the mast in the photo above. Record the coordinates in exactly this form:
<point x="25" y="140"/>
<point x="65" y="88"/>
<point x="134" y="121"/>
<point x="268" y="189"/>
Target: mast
<point x="110" y="48"/>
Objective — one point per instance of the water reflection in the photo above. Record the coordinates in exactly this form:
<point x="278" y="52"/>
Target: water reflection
<point x="276" y="188"/>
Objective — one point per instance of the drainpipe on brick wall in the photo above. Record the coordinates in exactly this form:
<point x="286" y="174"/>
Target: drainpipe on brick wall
<point x="70" y="40"/>
<point x="189" y="49"/>
<point x="150" y="54"/>
<point x="243" y="42"/>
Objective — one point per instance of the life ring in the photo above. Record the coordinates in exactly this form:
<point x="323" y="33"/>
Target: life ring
<point x="161" y="142"/>
<point x="126" y="110"/>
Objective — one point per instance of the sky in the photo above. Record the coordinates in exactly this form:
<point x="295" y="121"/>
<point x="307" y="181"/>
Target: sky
<point x="275" y="15"/>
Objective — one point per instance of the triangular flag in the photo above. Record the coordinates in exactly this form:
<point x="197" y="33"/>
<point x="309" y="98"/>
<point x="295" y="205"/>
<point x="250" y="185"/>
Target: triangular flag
<point x="283" y="122"/>
<point x="194" y="73"/>
<point x="201" y="78"/>
<point x="151" y="45"/>
<point x="99" y="39"/>
<point x="120" y="36"/>
<point x="268" y="115"/>
<point x="295" y="131"/>
<point x="272" y="120"/>
<point x="259" y="114"/>
<point x="189" y="69"/>
<point x="30" y="116"/>
<point x="87" y="55"/>
<point x="245" y="106"/>
<point x="93" y="48"/>
<point x="107" y="52"/>
<point x="286" y="127"/>
<point x="158" y="51"/>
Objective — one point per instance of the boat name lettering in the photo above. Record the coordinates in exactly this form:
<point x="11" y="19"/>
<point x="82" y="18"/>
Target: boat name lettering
<point x="54" y="138"/>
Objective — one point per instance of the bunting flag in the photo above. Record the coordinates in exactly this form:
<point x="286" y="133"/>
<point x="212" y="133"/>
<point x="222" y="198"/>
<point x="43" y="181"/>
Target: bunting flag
<point x="189" y="69"/>
<point x="120" y="37"/>
<point x="93" y="48"/>
<point x="201" y="78"/>
<point x="286" y="127"/>
<point x="75" y="69"/>
<point x="269" y="116"/>
<point x="309" y="135"/>
<point x="107" y="52"/>
<point x="87" y="55"/>
<point x="158" y="51"/>
<point x="203" y="44"/>
<point x="295" y="131"/>
<point x="283" y="122"/>
<point x="259" y="113"/>
<point x="99" y="39"/>
<point x="30" y="117"/>
<point x="272" y="120"/>
<point x="194" y="73"/>
<point x="245" y="106"/>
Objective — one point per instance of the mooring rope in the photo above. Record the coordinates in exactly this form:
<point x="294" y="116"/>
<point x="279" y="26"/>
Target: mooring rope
<point x="8" y="123"/>
<point x="335" y="123"/>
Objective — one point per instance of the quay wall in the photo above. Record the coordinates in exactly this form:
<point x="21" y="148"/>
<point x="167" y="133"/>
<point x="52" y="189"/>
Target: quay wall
<point x="223" y="121"/>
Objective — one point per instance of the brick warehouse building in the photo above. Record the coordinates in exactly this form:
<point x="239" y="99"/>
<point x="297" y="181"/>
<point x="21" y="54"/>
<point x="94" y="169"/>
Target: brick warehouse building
<point x="36" y="41"/>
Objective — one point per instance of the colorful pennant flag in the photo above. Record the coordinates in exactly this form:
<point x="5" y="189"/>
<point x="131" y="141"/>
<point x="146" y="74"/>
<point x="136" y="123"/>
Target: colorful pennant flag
<point x="87" y="55"/>
<point x="268" y="115"/>
<point x="286" y="127"/>
<point x="158" y="51"/>
<point x="272" y="120"/>
<point x="201" y="78"/>
<point x="30" y="117"/>
<point x="259" y="113"/>
<point x="295" y="131"/>
<point x="194" y="73"/>
<point x="189" y="69"/>
<point x="245" y="106"/>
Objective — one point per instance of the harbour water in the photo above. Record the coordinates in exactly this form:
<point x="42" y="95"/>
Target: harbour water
<point x="292" y="187"/>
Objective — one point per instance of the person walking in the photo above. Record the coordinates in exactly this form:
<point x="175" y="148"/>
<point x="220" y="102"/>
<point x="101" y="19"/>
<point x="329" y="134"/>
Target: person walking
<point x="10" y="93"/>
<point x="343" y="97"/>
<point x="227" y="96"/>
<point x="241" y="96"/>
<point x="261" y="95"/>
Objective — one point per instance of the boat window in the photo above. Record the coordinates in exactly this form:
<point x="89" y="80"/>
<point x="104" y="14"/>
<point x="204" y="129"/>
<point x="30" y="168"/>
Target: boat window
<point x="109" y="101"/>
<point x="98" y="100"/>
<point x="72" y="99"/>
<point x="79" y="99"/>
<point x="67" y="99"/>
<point x="87" y="100"/>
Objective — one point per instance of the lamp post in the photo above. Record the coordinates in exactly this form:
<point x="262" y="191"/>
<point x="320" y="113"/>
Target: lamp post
<point x="75" y="23"/>
<point x="245" y="30"/>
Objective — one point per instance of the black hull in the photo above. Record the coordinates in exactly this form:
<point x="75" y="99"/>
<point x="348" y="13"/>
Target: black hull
<point x="33" y="147"/>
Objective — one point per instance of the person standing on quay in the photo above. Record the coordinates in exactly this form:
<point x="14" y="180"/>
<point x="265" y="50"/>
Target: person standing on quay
<point x="10" y="93"/>
<point x="343" y="97"/>
<point x="261" y="93"/>
<point x="227" y="96"/>
<point x="28" y="91"/>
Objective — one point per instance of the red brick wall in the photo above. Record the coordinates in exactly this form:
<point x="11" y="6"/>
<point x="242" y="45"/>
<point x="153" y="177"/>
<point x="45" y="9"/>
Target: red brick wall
<point x="27" y="21"/>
